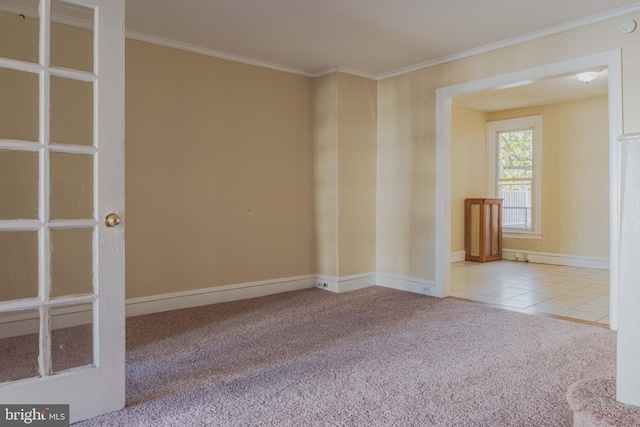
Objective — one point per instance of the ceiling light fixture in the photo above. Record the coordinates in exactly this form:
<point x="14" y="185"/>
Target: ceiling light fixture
<point x="587" y="76"/>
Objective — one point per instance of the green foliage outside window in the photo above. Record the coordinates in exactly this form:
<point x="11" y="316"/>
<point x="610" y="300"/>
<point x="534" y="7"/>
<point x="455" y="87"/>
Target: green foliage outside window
<point x="515" y="154"/>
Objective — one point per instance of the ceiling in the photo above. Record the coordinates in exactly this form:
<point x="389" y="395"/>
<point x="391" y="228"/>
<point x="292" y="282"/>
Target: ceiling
<point x="371" y="37"/>
<point x="549" y="91"/>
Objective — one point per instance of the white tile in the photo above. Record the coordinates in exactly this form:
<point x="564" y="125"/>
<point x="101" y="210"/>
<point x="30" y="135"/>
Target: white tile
<point x="599" y="286"/>
<point x="569" y="286"/>
<point x="478" y="297"/>
<point x="530" y="285"/>
<point x="602" y="301"/>
<point x="571" y="298"/>
<point x="505" y="293"/>
<point x="549" y="293"/>
<point x="528" y="298"/>
<point x="550" y="308"/>
<point x="540" y="288"/>
<point x="604" y="320"/>
<point x="582" y="315"/>
<point x="602" y="311"/>
<point x="510" y="302"/>
<point x="593" y="293"/>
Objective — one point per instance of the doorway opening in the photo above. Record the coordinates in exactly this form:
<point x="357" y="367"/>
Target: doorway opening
<point x="445" y="99"/>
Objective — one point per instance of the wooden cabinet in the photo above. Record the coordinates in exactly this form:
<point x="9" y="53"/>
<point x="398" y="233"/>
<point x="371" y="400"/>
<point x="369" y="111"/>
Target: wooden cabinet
<point x="483" y="230"/>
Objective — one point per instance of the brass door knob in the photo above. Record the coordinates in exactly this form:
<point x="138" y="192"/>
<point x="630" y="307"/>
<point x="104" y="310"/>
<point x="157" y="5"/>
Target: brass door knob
<point x="112" y="220"/>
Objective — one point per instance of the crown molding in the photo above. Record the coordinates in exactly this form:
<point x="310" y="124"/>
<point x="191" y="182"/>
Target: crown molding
<point x="214" y="53"/>
<point x="345" y="70"/>
<point x="593" y="19"/>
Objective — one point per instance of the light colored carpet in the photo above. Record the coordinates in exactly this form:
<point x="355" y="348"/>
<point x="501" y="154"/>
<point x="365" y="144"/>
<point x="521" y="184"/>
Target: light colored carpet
<point x="594" y="404"/>
<point x="374" y="357"/>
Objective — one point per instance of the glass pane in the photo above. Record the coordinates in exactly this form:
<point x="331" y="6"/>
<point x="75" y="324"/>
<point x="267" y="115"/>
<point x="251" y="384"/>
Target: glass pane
<point x="18" y="185"/>
<point x="18" y="265"/>
<point x="71" y="186"/>
<point x="71" y="336"/>
<point x="515" y="154"/>
<point x="19" y="345"/>
<point x="19" y="30"/>
<point x="71" y="36"/>
<point x="495" y="210"/>
<point x="71" y="262"/>
<point x="487" y="229"/>
<point x="71" y="111"/>
<point x="19" y="92"/>
<point x="475" y="230"/>
<point x="516" y="206"/>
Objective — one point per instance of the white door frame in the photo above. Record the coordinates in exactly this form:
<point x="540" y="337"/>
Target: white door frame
<point x="611" y="59"/>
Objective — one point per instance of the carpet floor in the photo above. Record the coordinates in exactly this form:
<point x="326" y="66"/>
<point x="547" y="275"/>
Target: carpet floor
<point x="373" y="357"/>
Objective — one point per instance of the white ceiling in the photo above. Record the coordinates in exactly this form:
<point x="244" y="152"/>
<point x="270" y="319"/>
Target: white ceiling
<point x="550" y="91"/>
<point x="371" y="36"/>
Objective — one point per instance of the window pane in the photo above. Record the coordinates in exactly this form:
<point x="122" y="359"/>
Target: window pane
<point x="19" y="345"/>
<point x="18" y="185"/>
<point x="71" y="111"/>
<point x="19" y="30"/>
<point x="71" y="262"/>
<point x="18" y="105"/>
<point x="475" y="230"/>
<point x="71" y="186"/>
<point x="18" y="265"/>
<point x="515" y="154"/>
<point x="516" y="205"/>
<point x="71" y="336"/>
<point x="495" y="236"/>
<point x="71" y="36"/>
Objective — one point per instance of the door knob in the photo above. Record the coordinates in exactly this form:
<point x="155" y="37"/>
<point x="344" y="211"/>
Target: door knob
<point x="112" y="220"/>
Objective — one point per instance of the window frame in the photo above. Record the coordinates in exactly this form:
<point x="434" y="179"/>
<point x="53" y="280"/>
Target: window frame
<point x="512" y="125"/>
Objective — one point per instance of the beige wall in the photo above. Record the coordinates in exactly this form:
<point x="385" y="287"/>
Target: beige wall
<point x="406" y="133"/>
<point x="345" y="174"/>
<point x="468" y="166"/>
<point x="219" y="172"/>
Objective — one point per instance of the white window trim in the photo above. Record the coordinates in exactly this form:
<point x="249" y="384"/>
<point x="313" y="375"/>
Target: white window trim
<point x="520" y="123"/>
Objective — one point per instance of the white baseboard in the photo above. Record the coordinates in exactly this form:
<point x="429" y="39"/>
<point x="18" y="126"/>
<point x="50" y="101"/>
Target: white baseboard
<point x="216" y="294"/>
<point x="27" y="322"/>
<point x="346" y="283"/>
<point x="328" y="283"/>
<point x="457" y="256"/>
<point x="556" y="259"/>
<point x="22" y="323"/>
<point x="406" y="283"/>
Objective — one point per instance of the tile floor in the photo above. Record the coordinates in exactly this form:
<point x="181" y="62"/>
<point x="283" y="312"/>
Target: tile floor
<point x="580" y="293"/>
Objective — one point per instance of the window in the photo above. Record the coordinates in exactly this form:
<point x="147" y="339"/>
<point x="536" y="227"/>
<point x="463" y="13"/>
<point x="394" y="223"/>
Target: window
<point x="514" y="149"/>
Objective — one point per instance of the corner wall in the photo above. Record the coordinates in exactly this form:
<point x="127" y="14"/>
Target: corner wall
<point x="468" y="166"/>
<point x="345" y="116"/>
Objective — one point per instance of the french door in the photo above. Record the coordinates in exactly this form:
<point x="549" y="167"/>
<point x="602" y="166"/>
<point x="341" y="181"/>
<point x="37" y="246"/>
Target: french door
<point x="61" y="200"/>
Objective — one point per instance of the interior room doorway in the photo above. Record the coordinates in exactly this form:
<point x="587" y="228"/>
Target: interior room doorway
<point x="444" y="101"/>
